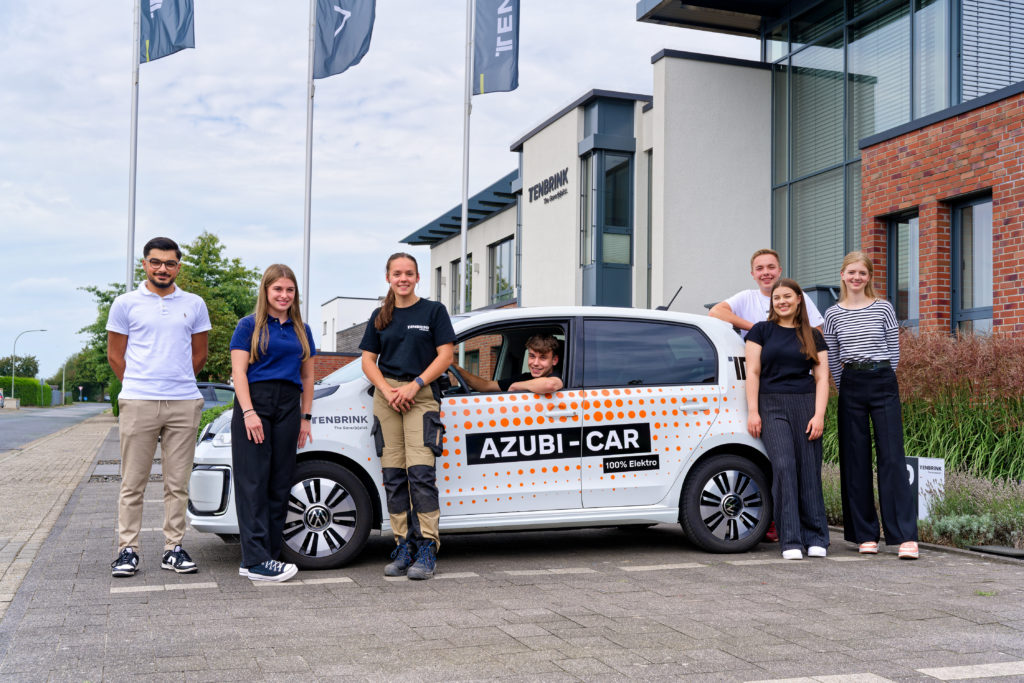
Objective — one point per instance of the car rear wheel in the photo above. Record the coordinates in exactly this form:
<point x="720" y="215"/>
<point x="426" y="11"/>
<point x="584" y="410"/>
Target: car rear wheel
<point x="329" y="516"/>
<point x="726" y="506"/>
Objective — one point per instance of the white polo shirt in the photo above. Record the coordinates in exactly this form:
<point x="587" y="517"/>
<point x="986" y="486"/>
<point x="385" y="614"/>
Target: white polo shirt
<point x="158" y="360"/>
<point x="752" y="305"/>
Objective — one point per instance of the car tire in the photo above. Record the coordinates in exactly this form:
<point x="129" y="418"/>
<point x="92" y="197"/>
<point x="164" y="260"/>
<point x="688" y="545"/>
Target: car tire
<point x="329" y="516"/>
<point x="726" y="504"/>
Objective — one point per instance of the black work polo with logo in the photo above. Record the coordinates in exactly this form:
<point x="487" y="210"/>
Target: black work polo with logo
<point x="409" y="343"/>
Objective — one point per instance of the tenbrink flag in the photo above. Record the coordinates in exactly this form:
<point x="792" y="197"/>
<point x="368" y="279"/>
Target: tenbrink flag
<point x="343" y="31"/>
<point x="165" y="28"/>
<point x="496" y="46"/>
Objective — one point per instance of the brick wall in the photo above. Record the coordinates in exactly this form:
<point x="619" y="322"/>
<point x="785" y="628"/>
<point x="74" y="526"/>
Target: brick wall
<point x="927" y="170"/>
<point x="326" y="362"/>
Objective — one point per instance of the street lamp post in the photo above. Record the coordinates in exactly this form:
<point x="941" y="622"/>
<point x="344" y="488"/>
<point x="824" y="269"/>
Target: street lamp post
<point x="14" y="357"/>
<point x="63" y="368"/>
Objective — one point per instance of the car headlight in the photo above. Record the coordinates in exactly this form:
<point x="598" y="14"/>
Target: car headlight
<point x="222" y="439"/>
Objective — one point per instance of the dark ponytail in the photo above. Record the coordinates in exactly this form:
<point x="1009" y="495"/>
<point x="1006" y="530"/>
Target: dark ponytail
<point x="383" y="318"/>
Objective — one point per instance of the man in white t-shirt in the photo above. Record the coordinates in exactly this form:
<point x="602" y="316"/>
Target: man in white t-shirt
<point x="750" y="306"/>
<point x="156" y="344"/>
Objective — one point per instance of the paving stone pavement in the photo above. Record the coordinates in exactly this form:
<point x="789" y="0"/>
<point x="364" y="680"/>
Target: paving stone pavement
<point x="597" y="605"/>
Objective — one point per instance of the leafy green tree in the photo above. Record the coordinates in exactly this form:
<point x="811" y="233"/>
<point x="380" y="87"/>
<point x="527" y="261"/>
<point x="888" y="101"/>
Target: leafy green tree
<point x="226" y="285"/>
<point x="24" y="366"/>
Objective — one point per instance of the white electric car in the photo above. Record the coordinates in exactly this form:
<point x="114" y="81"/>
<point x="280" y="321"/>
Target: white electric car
<point x="649" y="428"/>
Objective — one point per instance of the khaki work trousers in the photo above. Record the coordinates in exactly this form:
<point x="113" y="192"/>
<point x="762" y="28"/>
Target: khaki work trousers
<point x="407" y="463"/>
<point x="140" y="423"/>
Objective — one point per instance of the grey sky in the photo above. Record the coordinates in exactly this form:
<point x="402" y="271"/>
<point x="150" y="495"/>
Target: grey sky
<point x="222" y="138"/>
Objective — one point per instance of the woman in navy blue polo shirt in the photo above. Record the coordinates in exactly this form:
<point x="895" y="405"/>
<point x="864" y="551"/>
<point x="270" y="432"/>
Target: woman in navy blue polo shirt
<point x="272" y="368"/>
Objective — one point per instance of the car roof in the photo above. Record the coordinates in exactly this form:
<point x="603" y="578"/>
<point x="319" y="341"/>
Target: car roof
<point x="721" y="333"/>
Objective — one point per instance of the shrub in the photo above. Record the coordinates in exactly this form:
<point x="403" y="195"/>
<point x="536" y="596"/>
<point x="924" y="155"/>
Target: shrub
<point x="28" y="389"/>
<point x="975" y="511"/>
<point x="210" y="415"/>
<point x="114" y="389"/>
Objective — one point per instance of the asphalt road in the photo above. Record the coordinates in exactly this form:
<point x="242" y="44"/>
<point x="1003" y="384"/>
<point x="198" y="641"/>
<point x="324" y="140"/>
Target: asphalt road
<point x="19" y="427"/>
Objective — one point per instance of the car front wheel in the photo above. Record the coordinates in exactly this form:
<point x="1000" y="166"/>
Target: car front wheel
<point x="727" y="504"/>
<point x="329" y="516"/>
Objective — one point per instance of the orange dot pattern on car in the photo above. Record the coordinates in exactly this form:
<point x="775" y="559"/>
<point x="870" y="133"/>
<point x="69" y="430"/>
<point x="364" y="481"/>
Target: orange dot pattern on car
<point x="677" y="418"/>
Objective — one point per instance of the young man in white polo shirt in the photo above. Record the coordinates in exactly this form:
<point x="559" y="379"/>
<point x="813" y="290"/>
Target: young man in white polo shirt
<point x="750" y="306"/>
<point x="156" y="344"/>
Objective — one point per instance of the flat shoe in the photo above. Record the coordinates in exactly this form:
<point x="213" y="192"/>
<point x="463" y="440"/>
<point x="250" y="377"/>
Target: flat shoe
<point x="869" y="548"/>
<point x="909" y="551"/>
<point x="816" y="551"/>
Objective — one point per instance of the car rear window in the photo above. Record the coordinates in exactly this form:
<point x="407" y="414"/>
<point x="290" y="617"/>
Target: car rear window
<point x="640" y="353"/>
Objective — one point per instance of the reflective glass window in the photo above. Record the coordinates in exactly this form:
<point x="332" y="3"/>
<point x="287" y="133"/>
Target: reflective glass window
<point x="780" y="123"/>
<point x="817" y="22"/>
<point x="640" y="353"/>
<point x="931" y="56"/>
<point x="904" y="268"/>
<point x="502" y="257"/>
<point x="878" y="83"/>
<point x="816" y="244"/>
<point x="817" y="101"/>
<point x="853" y="207"/>
<point x="972" y="301"/>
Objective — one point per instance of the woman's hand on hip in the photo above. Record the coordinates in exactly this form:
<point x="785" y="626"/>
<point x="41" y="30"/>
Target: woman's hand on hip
<point x="754" y="425"/>
<point x="305" y="432"/>
<point x="253" y="427"/>
<point x="815" y="428"/>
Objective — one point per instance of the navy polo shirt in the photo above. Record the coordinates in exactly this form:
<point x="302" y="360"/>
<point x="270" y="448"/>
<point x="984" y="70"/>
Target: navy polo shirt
<point x="282" y="359"/>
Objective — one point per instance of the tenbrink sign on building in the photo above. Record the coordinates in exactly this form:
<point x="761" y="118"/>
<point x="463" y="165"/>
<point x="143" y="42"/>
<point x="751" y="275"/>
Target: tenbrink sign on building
<point x="556" y="183"/>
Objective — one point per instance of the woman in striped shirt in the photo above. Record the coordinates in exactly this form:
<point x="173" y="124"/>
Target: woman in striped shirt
<point x="862" y="334"/>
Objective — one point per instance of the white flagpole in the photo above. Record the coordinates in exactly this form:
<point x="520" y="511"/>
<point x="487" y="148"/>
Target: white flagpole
<point x="133" y="154"/>
<point x="309" y="165"/>
<point x="467" y="110"/>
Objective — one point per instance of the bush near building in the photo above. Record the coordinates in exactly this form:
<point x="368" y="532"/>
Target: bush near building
<point x="963" y="401"/>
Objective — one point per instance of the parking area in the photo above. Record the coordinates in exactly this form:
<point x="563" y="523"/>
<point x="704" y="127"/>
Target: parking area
<point x="600" y="604"/>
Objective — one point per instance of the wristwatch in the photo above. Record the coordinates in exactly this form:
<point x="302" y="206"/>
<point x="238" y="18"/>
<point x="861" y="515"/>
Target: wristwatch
<point x="307" y="416"/>
<point x="419" y="380"/>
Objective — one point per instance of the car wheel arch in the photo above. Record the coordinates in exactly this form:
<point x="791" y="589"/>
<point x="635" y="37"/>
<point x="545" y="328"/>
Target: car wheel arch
<point x="352" y="466"/>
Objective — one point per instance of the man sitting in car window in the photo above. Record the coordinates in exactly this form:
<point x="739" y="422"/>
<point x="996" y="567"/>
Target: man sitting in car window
<point x="541" y="359"/>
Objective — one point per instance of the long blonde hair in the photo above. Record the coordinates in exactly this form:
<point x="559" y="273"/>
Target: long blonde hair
<point x="260" y="333"/>
<point x="383" y="318"/>
<point x="855" y="257"/>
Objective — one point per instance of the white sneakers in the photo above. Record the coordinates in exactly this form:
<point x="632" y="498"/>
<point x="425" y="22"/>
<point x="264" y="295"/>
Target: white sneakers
<point x="796" y="554"/>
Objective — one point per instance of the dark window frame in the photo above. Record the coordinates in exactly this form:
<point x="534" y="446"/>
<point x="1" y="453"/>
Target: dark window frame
<point x="957" y="314"/>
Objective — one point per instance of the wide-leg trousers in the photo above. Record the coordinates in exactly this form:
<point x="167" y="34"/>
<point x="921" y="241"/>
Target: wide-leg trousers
<point x="799" y="505"/>
<point x="407" y="464"/>
<point x="263" y="471"/>
<point x="872" y="396"/>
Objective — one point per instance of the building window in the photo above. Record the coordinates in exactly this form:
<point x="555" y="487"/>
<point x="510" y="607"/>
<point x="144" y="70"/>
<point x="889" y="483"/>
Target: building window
<point x="650" y="225"/>
<point x="472" y="362"/>
<point x="587" y="213"/>
<point x="453" y="287"/>
<point x="904" y="275"/>
<point x="992" y="46"/>
<point x="325" y="328"/>
<point x="502" y="286"/>
<point x="972" y="266"/>
<point x="437" y="284"/>
<point x="616" y="236"/>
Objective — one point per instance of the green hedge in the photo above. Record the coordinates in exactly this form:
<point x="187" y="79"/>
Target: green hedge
<point x="30" y="391"/>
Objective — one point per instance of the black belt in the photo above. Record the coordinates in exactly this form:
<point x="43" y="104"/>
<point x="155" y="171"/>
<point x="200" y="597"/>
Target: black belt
<point x="401" y="378"/>
<point x="867" y="366"/>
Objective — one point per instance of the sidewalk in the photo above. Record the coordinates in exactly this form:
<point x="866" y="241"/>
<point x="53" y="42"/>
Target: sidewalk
<point x="36" y="484"/>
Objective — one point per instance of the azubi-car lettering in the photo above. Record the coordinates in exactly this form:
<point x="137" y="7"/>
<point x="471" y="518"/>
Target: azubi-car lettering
<point x="549" y="444"/>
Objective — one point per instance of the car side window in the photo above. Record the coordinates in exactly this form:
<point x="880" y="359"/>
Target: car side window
<point x="641" y="353"/>
<point x="500" y="354"/>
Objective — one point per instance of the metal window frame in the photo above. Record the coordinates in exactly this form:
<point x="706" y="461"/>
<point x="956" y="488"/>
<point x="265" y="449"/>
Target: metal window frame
<point x="956" y="313"/>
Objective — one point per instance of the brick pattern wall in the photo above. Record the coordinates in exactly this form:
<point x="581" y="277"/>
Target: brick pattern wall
<point x="927" y="170"/>
<point x="326" y="362"/>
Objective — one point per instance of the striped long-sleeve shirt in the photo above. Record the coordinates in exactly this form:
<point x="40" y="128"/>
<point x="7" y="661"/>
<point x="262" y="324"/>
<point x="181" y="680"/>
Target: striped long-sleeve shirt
<point x="861" y="335"/>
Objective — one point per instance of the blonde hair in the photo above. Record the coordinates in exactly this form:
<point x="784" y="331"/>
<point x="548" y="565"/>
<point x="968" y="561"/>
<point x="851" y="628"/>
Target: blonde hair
<point x="762" y="252"/>
<point x="858" y="257"/>
<point x="261" y="333"/>
<point x="383" y="318"/>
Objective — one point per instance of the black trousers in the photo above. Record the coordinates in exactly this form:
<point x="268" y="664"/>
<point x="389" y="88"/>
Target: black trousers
<point x="799" y="505"/>
<point x="263" y="472"/>
<point x="873" y="396"/>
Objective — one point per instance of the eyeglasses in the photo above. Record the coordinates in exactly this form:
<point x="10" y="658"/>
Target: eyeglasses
<point x="156" y="263"/>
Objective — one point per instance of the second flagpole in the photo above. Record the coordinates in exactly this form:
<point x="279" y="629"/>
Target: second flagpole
<point x="466" y="292"/>
<point x="309" y="166"/>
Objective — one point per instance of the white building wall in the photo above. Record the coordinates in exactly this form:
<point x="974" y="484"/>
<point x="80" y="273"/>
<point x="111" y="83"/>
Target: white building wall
<point x="711" y="136"/>
<point x="550" y="234"/>
<point x="340" y="313"/>
<point x="478" y="241"/>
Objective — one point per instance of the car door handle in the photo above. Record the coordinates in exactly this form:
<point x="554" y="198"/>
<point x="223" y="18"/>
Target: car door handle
<point x="562" y="413"/>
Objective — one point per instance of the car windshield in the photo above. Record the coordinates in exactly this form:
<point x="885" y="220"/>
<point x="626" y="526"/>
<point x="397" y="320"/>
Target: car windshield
<point x="353" y="370"/>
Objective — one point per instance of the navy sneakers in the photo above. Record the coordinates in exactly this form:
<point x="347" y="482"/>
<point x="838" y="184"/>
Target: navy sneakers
<point x="126" y="564"/>
<point x="426" y="561"/>
<point x="272" y="570"/>
<point x="402" y="558"/>
<point x="179" y="561"/>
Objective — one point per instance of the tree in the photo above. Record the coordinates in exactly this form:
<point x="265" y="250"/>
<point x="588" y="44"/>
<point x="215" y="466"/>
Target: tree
<point x="226" y="285"/>
<point x="25" y="366"/>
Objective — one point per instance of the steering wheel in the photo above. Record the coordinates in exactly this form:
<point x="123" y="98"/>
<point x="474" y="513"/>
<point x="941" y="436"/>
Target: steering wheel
<point x="463" y="387"/>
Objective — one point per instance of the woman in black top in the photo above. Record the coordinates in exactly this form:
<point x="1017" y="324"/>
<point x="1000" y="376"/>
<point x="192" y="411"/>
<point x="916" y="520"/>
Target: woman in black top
<point x="787" y="391"/>
<point x="407" y="345"/>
